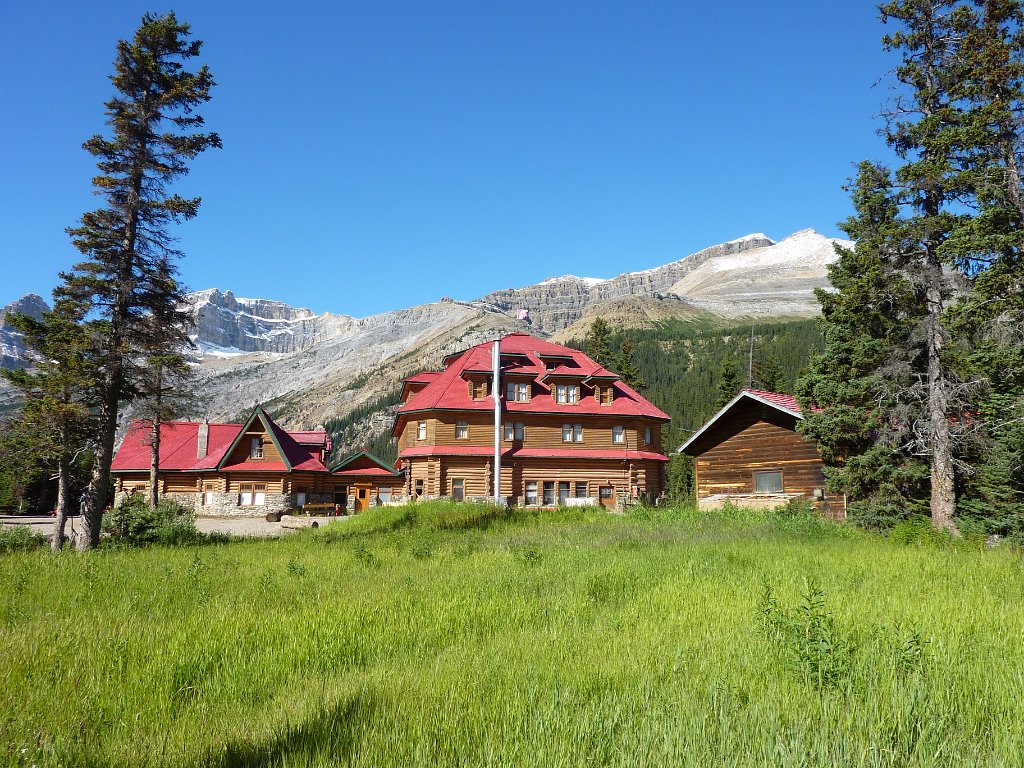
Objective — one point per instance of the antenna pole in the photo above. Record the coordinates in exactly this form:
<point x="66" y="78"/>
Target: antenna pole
<point x="750" y="359"/>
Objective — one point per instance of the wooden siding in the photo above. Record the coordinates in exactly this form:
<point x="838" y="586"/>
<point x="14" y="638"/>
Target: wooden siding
<point x="753" y="438"/>
<point x="437" y="472"/>
<point x="241" y="453"/>
<point x="541" y="431"/>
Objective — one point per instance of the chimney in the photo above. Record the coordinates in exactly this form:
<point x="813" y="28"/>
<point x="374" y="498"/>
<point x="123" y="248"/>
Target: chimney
<point x="203" y="443"/>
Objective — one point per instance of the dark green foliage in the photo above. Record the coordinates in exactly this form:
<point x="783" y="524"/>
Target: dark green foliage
<point x="627" y="368"/>
<point x="598" y="342"/>
<point x="19" y="538"/>
<point x="128" y="278"/>
<point x="728" y="383"/>
<point x="348" y="433"/>
<point x="136" y="523"/>
<point x="768" y="371"/>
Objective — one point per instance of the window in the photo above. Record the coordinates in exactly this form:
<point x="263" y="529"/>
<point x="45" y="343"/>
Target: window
<point x="767" y="482"/>
<point x="618" y="435"/>
<point x="520" y="432"/>
<point x="517" y="392"/>
<point x="567" y="433"/>
<point x="207" y="498"/>
<point x="581" y="490"/>
<point x="531" y="492"/>
<point x="300" y="496"/>
<point x="549" y="494"/>
<point x="458" y="490"/>
<point x="567" y="393"/>
<point x="256" y="448"/>
<point x="384" y="495"/>
<point x="510" y="391"/>
<point x="418" y="488"/>
<point x="252" y="494"/>
<point x="514" y="431"/>
<point x="577" y="433"/>
<point x="563" y="492"/>
<point x="461" y="430"/>
<point x="421" y="431"/>
<point x="648" y="435"/>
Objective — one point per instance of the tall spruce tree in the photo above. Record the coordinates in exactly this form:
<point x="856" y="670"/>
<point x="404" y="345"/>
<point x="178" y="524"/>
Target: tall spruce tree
<point x="599" y="342"/>
<point x="129" y="273"/>
<point x="728" y="383"/>
<point x="909" y="224"/>
<point x="60" y="395"/>
<point x="627" y="368"/>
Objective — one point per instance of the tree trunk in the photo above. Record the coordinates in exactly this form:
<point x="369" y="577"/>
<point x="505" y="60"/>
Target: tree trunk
<point x="63" y="494"/>
<point x="154" y="443"/>
<point x="943" y="496"/>
<point x="113" y="379"/>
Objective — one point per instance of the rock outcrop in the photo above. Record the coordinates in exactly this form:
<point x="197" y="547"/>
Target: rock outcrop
<point x="12" y="348"/>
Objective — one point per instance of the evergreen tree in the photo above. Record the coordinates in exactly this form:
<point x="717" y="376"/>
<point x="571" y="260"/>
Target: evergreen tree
<point x="627" y="368"/>
<point x="599" y="342"/>
<point x="728" y="383"/>
<point x="60" y="392"/>
<point x="768" y="371"/>
<point x="128" y="276"/>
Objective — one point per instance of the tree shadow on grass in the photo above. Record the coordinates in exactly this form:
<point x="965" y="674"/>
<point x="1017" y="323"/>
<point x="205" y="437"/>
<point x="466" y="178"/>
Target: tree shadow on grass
<point x="326" y="738"/>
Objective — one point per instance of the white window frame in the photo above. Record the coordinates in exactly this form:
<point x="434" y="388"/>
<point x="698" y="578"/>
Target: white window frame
<point x="523" y="392"/>
<point x="256" y="448"/>
<point x="463" y="427"/>
<point x="577" y="433"/>
<point x="530" y="494"/>
<point x="421" y="430"/>
<point x="618" y="435"/>
<point x="509" y="430"/>
<point x="567" y="433"/>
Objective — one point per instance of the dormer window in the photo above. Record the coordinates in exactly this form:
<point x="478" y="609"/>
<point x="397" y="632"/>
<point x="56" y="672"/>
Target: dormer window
<point x="604" y="394"/>
<point x="517" y="392"/>
<point x="256" y="448"/>
<point x="567" y="393"/>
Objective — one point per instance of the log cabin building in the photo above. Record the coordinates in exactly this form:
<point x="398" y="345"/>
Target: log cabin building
<point x="570" y="431"/>
<point x="750" y="454"/>
<point x="249" y="469"/>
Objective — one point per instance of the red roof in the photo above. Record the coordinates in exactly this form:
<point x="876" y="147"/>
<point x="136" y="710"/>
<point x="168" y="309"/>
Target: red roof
<point x="423" y="377"/>
<point x="788" y="402"/>
<point x="447" y="390"/>
<point x="179" y="441"/>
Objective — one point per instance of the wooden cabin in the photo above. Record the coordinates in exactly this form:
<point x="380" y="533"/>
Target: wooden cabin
<point x="249" y="469"/>
<point x="750" y="454"/>
<point x="571" y="431"/>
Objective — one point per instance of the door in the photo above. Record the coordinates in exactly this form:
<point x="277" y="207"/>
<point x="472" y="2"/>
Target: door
<point x="362" y="498"/>
<point x="607" y="494"/>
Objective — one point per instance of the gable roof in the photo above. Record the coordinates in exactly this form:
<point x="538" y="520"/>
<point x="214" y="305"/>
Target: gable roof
<point x="378" y="467"/>
<point x="448" y="391"/>
<point x="781" y="402"/>
<point x="179" y="441"/>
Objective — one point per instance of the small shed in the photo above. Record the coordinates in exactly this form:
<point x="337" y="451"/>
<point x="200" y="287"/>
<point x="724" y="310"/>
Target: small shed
<point x="751" y="455"/>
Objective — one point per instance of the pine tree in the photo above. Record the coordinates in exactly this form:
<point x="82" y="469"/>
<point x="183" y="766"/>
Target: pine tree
<point x="768" y="371"/>
<point x="728" y="383"/>
<point x="599" y="342"/>
<point x="129" y="273"/>
<point x="627" y="368"/>
<point x="60" y="392"/>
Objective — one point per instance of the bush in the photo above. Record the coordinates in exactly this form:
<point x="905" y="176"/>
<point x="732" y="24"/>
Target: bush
<point x="19" y="539"/>
<point x="135" y="522"/>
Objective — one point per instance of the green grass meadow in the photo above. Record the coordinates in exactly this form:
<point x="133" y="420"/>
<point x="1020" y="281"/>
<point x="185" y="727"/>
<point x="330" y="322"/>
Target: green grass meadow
<point x="460" y="635"/>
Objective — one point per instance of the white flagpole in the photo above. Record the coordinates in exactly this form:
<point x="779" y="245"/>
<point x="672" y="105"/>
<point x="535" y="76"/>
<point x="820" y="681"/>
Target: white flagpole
<point x="496" y="393"/>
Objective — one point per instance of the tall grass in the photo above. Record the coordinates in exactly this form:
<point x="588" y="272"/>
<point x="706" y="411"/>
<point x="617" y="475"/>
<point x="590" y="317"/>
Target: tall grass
<point x="466" y="635"/>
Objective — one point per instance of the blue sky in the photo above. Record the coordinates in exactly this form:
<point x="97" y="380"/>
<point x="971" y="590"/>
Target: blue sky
<point x="384" y="154"/>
